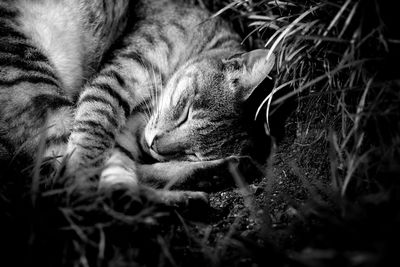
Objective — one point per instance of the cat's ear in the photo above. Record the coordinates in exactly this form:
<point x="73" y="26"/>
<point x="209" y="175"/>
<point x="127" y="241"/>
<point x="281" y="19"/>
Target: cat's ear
<point x="257" y="64"/>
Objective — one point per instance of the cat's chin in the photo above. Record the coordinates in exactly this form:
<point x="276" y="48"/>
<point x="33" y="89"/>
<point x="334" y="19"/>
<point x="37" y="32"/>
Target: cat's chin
<point x="174" y="156"/>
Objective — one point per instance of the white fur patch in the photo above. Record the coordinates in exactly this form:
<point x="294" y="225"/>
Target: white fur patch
<point x="117" y="175"/>
<point x="55" y="27"/>
<point x="119" y="170"/>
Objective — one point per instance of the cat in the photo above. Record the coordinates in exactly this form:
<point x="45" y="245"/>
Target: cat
<point x="47" y="51"/>
<point x="189" y="77"/>
<point x="166" y="109"/>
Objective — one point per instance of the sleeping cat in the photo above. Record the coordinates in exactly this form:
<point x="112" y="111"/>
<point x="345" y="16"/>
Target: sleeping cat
<point x="166" y="109"/>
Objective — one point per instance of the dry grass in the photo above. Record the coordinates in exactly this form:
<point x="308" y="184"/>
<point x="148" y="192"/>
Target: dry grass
<point x="335" y="66"/>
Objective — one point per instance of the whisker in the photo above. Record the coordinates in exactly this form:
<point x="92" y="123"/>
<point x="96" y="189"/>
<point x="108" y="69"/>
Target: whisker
<point x="147" y="112"/>
<point x="158" y="91"/>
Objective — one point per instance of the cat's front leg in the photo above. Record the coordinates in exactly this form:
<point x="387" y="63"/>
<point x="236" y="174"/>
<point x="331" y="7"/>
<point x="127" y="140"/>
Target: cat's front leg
<point x="201" y="175"/>
<point x="101" y="112"/>
<point x="121" y="171"/>
<point x="84" y="153"/>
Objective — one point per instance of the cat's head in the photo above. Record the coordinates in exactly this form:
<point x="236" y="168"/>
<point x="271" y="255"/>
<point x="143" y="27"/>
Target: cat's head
<point x="200" y="114"/>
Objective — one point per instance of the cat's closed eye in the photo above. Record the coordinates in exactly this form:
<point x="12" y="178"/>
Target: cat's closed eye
<point x="184" y="116"/>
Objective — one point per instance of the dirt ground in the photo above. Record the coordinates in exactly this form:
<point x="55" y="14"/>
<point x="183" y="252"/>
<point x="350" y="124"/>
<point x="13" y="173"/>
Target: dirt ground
<point x="265" y="209"/>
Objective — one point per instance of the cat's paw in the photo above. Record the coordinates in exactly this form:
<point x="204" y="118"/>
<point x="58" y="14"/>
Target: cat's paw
<point x="178" y="198"/>
<point x="126" y="200"/>
<point x="119" y="169"/>
<point x="206" y="176"/>
<point x="184" y="198"/>
<point x="118" y="175"/>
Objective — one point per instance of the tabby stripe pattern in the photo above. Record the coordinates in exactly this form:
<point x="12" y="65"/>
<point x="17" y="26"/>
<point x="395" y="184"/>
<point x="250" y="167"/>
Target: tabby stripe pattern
<point x="157" y="46"/>
<point x="26" y="71"/>
<point x="101" y="110"/>
<point x="42" y="67"/>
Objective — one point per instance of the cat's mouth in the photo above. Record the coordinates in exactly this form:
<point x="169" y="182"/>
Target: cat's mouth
<point x="176" y="155"/>
<point x="165" y="148"/>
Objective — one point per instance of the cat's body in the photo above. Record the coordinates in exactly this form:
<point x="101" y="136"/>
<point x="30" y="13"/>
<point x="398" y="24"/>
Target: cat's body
<point x="167" y="106"/>
<point x="47" y="51"/>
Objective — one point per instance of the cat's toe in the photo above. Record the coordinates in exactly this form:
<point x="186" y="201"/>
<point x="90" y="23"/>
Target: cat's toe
<point x="184" y="199"/>
<point x="179" y="199"/>
<point x="197" y="198"/>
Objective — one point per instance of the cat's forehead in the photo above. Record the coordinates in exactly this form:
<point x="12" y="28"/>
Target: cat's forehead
<point x="206" y="80"/>
<point x="197" y="73"/>
<point x="202" y="67"/>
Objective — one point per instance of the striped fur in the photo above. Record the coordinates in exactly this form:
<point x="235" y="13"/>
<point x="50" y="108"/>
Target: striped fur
<point x="167" y="105"/>
<point x="48" y="49"/>
<point x="173" y="93"/>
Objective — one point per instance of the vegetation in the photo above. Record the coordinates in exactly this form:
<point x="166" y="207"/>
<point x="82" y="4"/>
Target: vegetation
<point x="331" y="196"/>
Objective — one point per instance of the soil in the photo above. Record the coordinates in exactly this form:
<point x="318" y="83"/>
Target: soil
<point x="266" y="207"/>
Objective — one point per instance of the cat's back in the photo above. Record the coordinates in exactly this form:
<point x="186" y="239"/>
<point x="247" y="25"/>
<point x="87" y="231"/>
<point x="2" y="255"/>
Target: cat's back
<point x="54" y="28"/>
<point x="172" y="9"/>
<point x="48" y="48"/>
<point x="66" y="32"/>
<point x="172" y="32"/>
